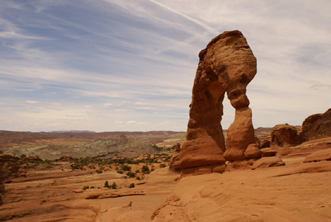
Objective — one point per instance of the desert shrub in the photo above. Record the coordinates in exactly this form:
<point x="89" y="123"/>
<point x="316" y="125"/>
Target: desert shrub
<point x="145" y="169"/>
<point x="158" y="149"/>
<point x="125" y="167"/>
<point x="162" y="165"/>
<point x="113" y="186"/>
<point x="99" y="171"/>
<point x="106" y="184"/>
<point x="131" y="174"/>
<point x="119" y="171"/>
<point x="86" y="187"/>
<point x="131" y="185"/>
<point x="130" y="204"/>
<point x="137" y="178"/>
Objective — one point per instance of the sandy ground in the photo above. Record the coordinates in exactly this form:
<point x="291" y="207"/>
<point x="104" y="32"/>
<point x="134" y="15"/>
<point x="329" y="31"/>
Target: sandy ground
<point x="295" y="192"/>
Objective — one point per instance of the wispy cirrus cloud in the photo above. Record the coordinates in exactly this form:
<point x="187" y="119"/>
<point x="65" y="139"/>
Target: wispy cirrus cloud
<point x="79" y="61"/>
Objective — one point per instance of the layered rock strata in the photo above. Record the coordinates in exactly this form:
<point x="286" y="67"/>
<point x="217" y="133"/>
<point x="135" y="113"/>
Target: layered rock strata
<point x="226" y="65"/>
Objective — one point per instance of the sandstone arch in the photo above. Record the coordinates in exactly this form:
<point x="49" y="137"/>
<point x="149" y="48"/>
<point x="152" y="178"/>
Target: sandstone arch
<point x="226" y="65"/>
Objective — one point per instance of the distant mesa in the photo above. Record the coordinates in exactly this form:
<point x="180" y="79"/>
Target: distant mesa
<point x="226" y="65"/>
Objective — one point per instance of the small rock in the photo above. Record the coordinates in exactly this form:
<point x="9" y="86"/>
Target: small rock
<point x="268" y="152"/>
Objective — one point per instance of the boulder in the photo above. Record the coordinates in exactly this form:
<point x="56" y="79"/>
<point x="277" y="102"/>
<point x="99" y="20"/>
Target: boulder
<point x="265" y="143"/>
<point x="284" y="135"/>
<point x="227" y="64"/>
<point x="316" y="126"/>
<point x="268" y="152"/>
<point x="252" y="152"/>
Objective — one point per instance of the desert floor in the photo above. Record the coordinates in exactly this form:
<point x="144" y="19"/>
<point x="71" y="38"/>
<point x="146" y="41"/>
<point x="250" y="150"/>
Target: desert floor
<point x="295" y="192"/>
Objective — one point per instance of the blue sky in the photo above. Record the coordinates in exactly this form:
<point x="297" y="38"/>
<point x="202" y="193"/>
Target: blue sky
<point x="108" y="65"/>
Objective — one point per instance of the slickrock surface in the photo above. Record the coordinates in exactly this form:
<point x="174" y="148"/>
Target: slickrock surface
<point x="318" y="156"/>
<point x="295" y="192"/>
<point x="226" y="65"/>
<point x="58" y="195"/>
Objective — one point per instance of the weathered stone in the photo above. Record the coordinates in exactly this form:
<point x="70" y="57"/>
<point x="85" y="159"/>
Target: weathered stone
<point x="284" y="134"/>
<point x="268" y="152"/>
<point x="218" y="168"/>
<point x="240" y="135"/>
<point x="226" y="65"/>
<point x="265" y="143"/>
<point x="239" y="165"/>
<point x="316" y="126"/>
<point x="252" y="152"/>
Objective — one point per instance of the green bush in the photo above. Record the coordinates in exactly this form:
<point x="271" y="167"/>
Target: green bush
<point x="106" y="184"/>
<point x="131" y="174"/>
<point x="156" y="148"/>
<point x="119" y="171"/>
<point x="162" y="165"/>
<point x="125" y="167"/>
<point x="86" y="187"/>
<point x="145" y="169"/>
<point x="131" y="185"/>
<point x="114" y="186"/>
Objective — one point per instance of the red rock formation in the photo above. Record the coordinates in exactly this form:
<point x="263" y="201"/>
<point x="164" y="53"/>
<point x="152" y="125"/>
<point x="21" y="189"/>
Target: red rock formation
<point x="226" y="65"/>
<point x="265" y="143"/>
<point x="316" y="126"/>
<point x="284" y="135"/>
<point x="240" y="135"/>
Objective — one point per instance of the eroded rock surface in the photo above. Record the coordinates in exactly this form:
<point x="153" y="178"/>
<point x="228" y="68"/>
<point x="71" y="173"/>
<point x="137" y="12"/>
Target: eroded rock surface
<point x="226" y="65"/>
<point x="284" y="135"/>
<point x="317" y="126"/>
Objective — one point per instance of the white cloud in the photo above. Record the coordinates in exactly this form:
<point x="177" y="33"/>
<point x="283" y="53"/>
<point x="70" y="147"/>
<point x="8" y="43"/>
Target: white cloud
<point x="138" y="59"/>
<point x="31" y="101"/>
<point x="107" y="104"/>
